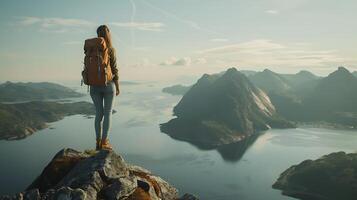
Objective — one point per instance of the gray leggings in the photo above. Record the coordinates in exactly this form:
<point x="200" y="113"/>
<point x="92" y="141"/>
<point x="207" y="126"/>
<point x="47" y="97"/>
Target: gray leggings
<point x="99" y="95"/>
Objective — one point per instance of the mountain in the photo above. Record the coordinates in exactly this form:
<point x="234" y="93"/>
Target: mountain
<point x="330" y="99"/>
<point x="270" y="81"/>
<point x="221" y="110"/>
<point x="330" y="177"/>
<point x="93" y="175"/>
<point x="354" y="73"/>
<point x="333" y="95"/>
<point x="299" y="78"/>
<point x="176" y="89"/>
<point x="338" y="91"/>
<point x="23" y="119"/>
<point x="248" y="72"/>
<point x="284" y="84"/>
<point x="31" y="91"/>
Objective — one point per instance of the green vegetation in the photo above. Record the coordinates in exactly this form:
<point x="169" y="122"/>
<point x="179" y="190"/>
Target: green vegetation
<point x="22" y="119"/>
<point x="31" y="91"/>
<point x="331" y="177"/>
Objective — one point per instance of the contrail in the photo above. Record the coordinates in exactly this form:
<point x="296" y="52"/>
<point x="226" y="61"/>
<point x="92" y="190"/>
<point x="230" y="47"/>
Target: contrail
<point x="192" y="24"/>
<point x="132" y="19"/>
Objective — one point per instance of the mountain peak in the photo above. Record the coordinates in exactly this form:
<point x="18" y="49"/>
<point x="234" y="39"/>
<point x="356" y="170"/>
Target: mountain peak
<point x="231" y="70"/>
<point x="267" y="71"/>
<point x="301" y="72"/>
<point x="232" y="74"/>
<point x="342" y="69"/>
<point x="340" y="72"/>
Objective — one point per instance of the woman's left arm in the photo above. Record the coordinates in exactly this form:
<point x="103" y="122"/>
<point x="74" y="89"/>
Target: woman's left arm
<point x="115" y="71"/>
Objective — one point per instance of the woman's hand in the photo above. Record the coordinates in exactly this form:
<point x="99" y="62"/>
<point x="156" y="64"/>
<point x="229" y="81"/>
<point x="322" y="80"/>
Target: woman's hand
<point x="117" y="90"/>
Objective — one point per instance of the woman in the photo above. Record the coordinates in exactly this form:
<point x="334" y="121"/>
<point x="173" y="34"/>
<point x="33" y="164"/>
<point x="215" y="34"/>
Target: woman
<point x="105" y="94"/>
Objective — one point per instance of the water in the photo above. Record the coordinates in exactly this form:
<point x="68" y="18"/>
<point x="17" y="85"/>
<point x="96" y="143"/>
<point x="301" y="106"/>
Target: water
<point x="241" y="171"/>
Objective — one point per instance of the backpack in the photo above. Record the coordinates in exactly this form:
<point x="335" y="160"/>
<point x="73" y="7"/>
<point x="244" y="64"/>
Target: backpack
<point x="97" y="70"/>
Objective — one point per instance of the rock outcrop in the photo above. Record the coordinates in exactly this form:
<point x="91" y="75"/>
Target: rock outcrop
<point x="330" y="177"/>
<point x="75" y="175"/>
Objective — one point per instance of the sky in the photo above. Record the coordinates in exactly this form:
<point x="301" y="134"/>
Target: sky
<point x="176" y="40"/>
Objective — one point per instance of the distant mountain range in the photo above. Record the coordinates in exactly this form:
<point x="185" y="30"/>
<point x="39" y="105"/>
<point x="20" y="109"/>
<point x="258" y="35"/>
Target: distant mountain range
<point x="32" y="91"/>
<point x="225" y="107"/>
<point x="267" y="80"/>
<point x="270" y="81"/>
<point x="330" y="99"/>
<point x="222" y="109"/>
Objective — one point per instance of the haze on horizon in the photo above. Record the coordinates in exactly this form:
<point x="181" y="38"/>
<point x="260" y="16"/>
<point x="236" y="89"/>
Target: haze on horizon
<point x="173" y="40"/>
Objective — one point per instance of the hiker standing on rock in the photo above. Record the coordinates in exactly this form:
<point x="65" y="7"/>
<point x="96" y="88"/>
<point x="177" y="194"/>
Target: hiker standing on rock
<point x="101" y="74"/>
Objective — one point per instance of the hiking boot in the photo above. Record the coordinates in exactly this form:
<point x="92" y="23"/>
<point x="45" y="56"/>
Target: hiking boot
<point x="98" y="144"/>
<point x="106" y="145"/>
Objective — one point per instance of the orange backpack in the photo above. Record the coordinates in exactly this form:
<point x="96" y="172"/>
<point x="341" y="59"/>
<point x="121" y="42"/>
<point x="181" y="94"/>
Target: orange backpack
<point x="97" y="70"/>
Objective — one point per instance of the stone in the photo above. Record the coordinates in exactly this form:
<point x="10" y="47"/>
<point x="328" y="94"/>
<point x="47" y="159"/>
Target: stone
<point x="75" y="175"/>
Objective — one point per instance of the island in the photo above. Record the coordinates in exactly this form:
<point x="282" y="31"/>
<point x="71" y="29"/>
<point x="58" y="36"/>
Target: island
<point x="88" y="175"/>
<point x="20" y="120"/>
<point x="176" y="89"/>
<point x="330" y="177"/>
<point x="222" y="109"/>
<point x="33" y="91"/>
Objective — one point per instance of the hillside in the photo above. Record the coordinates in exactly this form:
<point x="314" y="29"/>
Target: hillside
<point x="222" y="110"/>
<point x="330" y="177"/>
<point x="32" y="91"/>
<point x="270" y="81"/>
<point x="23" y="119"/>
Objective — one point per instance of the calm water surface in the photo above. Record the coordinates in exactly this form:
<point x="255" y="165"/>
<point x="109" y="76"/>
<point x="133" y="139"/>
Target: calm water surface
<point x="240" y="171"/>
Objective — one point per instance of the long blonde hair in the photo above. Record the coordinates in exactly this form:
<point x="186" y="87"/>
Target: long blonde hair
<point x="103" y="31"/>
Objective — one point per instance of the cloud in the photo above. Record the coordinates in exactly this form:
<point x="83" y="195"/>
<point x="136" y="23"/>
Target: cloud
<point x="54" y="24"/>
<point x="185" y="61"/>
<point x="219" y="40"/>
<point x="57" y="24"/>
<point x="143" y="26"/>
<point x="50" y="22"/>
<point x="200" y="61"/>
<point x="254" y="46"/>
<point x="272" y="12"/>
<point x="173" y="61"/>
<point x="268" y="53"/>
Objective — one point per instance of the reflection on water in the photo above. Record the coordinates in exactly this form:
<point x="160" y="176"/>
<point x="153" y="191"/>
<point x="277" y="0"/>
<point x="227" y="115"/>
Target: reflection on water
<point x="230" y="152"/>
<point x="234" y="152"/>
<point x="244" y="170"/>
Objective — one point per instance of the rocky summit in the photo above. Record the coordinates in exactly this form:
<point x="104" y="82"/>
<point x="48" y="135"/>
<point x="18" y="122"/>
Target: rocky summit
<point x="102" y="174"/>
